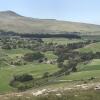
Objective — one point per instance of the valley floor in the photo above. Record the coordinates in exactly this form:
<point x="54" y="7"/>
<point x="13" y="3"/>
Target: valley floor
<point x="84" y="84"/>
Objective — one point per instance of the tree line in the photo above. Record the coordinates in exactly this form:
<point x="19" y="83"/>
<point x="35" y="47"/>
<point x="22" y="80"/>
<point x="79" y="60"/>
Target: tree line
<point x="71" y="35"/>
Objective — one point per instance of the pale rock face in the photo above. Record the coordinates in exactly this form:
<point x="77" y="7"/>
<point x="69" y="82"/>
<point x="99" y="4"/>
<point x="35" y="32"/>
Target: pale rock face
<point x="97" y="87"/>
<point x="38" y="92"/>
<point x="58" y="94"/>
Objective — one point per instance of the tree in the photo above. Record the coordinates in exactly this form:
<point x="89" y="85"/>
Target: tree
<point x="7" y="46"/>
<point x="60" y="65"/>
<point x="87" y="56"/>
<point x="74" y="69"/>
<point x="23" y="78"/>
<point x="33" y="56"/>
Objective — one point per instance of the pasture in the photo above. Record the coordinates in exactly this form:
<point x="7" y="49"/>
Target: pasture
<point x="85" y="71"/>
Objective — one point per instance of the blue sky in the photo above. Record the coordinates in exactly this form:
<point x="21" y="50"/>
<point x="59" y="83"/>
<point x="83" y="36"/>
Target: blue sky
<point x="70" y="10"/>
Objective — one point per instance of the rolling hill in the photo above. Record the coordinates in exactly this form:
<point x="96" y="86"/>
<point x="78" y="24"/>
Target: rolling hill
<point x="11" y="21"/>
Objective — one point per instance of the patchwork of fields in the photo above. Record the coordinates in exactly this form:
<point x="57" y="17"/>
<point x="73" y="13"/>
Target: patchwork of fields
<point x="85" y="71"/>
<point x="7" y="71"/>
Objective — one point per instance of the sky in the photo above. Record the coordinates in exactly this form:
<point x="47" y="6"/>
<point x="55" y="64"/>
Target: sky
<point x="87" y="11"/>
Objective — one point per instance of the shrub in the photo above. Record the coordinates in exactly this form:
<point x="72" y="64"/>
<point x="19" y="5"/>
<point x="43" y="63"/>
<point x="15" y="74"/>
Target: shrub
<point x="21" y="87"/>
<point x="46" y="75"/>
<point x="23" y="78"/>
<point x="33" y="56"/>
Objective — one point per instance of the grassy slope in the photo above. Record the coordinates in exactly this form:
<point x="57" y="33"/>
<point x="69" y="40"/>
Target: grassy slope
<point x="7" y="71"/>
<point x="14" y="22"/>
<point x="86" y="71"/>
<point x="95" y="47"/>
<point x="36" y="69"/>
<point x="92" y="65"/>
<point x="82" y="75"/>
<point x="92" y="69"/>
<point x="16" y="52"/>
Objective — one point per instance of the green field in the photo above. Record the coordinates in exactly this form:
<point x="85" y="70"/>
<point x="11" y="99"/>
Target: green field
<point x="94" y="47"/>
<point x="85" y="72"/>
<point x="61" y="40"/>
<point x="7" y="71"/>
<point x="37" y="70"/>
<point x="16" y="52"/>
<point x="91" y="65"/>
<point x="83" y="75"/>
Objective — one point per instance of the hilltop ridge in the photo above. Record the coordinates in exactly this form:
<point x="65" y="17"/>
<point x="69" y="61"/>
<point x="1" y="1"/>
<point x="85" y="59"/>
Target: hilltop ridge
<point x="11" y="21"/>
